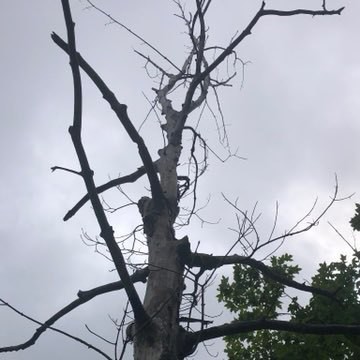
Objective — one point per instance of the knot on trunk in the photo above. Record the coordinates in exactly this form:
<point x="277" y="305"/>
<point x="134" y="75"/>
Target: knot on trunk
<point x="148" y="213"/>
<point x="130" y="332"/>
<point x="186" y="344"/>
<point x="183" y="250"/>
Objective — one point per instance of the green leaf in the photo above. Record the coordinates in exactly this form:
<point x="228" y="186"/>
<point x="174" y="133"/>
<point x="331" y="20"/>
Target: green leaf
<point x="252" y="296"/>
<point x="355" y="220"/>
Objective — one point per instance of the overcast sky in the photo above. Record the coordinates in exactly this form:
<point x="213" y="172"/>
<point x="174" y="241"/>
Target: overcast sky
<point x="295" y="119"/>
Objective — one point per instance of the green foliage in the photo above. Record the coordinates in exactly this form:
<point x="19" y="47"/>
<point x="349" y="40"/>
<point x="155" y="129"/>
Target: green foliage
<point x="252" y="296"/>
<point x="355" y="220"/>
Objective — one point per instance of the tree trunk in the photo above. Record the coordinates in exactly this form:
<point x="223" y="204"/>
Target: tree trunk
<point x="160" y="339"/>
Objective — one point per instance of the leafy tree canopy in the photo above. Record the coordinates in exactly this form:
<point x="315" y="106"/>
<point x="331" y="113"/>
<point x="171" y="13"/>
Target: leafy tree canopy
<point x="251" y="295"/>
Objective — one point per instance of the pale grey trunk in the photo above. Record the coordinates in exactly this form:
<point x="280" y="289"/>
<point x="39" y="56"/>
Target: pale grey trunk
<point x="160" y="339"/>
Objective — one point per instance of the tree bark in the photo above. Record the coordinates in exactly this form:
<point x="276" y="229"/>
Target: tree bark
<point x="160" y="338"/>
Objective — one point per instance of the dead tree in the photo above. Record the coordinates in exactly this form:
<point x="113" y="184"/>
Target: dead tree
<point x="164" y="325"/>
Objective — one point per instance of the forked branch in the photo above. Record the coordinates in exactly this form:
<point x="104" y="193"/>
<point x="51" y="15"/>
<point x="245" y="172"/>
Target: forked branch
<point x="247" y="31"/>
<point x="83" y="297"/>
<point x="141" y="171"/>
<point x="201" y="76"/>
<point x="121" y="112"/>
<point x="38" y="332"/>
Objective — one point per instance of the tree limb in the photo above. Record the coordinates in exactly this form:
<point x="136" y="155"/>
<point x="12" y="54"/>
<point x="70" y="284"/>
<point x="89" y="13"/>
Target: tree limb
<point x="110" y="184"/>
<point x="107" y="233"/>
<point x="112" y="19"/>
<point x="31" y="341"/>
<point x="323" y="12"/>
<point x="210" y="262"/>
<point x="83" y="297"/>
<point x="121" y="112"/>
<point x="255" y="19"/>
<point x="199" y="77"/>
<point x="237" y="327"/>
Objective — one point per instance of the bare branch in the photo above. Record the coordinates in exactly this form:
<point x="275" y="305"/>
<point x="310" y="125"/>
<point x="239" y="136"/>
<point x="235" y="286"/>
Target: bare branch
<point x="324" y="5"/>
<point x="99" y="336"/>
<point x="83" y="297"/>
<point x="252" y="23"/>
<point x="352" y="247"/>
<point x="199" y="77"/>
<point x="295" y="230"/>
<point x="54" y="168"/>
<point x="210" y="262"/>
<point x="31" y="341"/>
<point x="133" y="33"/>
<point x="315" y="222"/>
<point x="109" y="185"/>
<point x="107" y="232"/>
<point x="153" y="63"/>
<point x="121" y="112"/>
<point x="201" y="42"/>
<point x="303" y="12"/>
